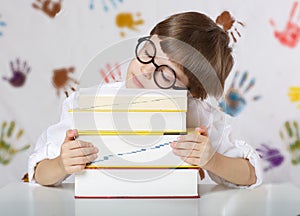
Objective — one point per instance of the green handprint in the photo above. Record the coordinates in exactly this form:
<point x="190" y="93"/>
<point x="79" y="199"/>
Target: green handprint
<point x="7" y="151"/>
<point x="292" y="139"/>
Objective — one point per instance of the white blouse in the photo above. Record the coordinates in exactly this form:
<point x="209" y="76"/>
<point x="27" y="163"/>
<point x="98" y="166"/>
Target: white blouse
<point x="199" y="113"/>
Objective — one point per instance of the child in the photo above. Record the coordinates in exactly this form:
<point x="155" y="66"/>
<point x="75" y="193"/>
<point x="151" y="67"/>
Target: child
<point x="185" y="51"/>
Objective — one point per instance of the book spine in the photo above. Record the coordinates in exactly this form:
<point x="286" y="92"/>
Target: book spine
<point x="128" y="103"/>
<point x="129" y="121"/>
<point x="142" y="167"/>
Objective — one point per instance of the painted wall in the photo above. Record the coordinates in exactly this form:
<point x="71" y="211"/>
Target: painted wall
<point x="45" y="46"/>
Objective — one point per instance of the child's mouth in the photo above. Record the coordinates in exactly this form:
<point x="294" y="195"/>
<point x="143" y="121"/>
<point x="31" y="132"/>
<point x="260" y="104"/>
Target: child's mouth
<point x="137" y="82"/>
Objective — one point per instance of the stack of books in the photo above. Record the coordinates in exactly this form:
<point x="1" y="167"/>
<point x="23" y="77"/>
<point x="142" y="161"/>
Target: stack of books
<point x="133" y="129"/>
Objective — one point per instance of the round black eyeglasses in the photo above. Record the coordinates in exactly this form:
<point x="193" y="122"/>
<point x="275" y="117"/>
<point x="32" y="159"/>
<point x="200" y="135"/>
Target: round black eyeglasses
<point x="164" y="76"/>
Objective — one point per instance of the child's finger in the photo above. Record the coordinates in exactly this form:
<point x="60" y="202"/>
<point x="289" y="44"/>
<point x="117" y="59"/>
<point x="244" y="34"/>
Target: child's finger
<point x="82" y="160"/>
<point x="79" y="144"/>
<point x="186" y="145"/>
<point x="192" y="137"/>
<point x="83" y="151"/>
<point x="188" y="138"/>
<point x="191" y="160"/>
<point x="186" y="153"/>
<point x="74" y="168"/>
<point x="70" y="135"/>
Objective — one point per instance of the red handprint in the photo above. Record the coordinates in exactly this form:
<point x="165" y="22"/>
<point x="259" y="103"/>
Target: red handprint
<point x="291" y="33"/>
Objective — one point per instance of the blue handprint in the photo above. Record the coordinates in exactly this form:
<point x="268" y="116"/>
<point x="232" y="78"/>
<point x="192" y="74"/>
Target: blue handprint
<point x="2" y="24"/>
<point x="291" y="138"/>
<point x="271" y="155"/>
<point x="104" y="4"/>
<point x="7" y="151"/>
<point x="234" y="101"/>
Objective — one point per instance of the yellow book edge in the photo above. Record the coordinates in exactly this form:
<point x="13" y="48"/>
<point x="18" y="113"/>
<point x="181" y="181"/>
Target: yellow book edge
<point x="142" y="167"/>
<point x="103" y="133"/>
<point x="123" y="110"/>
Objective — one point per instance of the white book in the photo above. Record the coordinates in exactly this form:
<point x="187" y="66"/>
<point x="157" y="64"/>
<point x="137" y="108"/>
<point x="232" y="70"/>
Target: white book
<point x="137" y="183"/>
<point x="136" y="166"/>
<point x="105" y="97"/>
<point x="143" y="207"/>
<point x="103" y="120"/>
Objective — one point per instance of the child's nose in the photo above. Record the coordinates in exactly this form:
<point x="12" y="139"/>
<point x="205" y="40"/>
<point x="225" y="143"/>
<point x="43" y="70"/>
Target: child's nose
<point x="147" y="70"/>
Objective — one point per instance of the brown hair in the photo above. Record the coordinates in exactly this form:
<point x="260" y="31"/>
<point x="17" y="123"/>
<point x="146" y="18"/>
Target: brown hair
<point x="200" y="47"/>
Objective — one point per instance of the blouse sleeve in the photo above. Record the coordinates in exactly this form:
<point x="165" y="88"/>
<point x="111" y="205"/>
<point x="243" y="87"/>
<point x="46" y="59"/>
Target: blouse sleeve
<point x="49" y="143"/>
<point x="227" y="146"/>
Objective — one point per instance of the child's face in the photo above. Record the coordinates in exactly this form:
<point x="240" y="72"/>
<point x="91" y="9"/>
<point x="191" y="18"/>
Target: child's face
<point x="140" y="75"/>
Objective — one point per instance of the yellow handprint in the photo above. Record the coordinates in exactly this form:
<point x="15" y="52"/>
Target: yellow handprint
<point x="127" y="20"/>
<point x="7" y="151"/>
<point x="294" y="94"/>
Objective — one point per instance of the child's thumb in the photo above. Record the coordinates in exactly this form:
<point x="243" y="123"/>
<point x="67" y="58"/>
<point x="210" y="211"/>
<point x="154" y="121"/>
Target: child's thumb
<point x="70" y="135"/>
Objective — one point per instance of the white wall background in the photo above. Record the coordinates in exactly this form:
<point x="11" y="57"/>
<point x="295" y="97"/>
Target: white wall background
<point x="77" y="33"/>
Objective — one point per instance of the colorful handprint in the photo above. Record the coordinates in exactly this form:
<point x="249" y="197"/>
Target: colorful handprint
<point x="290" y="35"/>
<point x="127" y="20"/>
<point x="49" y="7"/>
<point x="7" y="139"/>
<point x="2" y="24"/>
<point x="290" y="135"/>
<point x="228" y="24"/>
<point x="61" y="80"/>
<point x="270" y="155"/>
<point x="111" y="74"/>
<point x="19" y="73"/>
<point x="235" y="100"/>
<point x="294" y="94"/>
<point x="105" y="6"/>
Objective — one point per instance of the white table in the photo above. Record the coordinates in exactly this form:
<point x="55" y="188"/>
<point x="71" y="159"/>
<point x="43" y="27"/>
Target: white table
<point x="272" y="199"/>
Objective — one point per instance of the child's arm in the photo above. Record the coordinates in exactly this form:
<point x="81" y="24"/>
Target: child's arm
<point x="196" y="149"/>
<point x="238" y="171"/>
<point x="73" y="157"/>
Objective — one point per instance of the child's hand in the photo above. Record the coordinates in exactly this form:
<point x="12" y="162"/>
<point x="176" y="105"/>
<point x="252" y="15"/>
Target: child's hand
<point x="194" y="149"/>
<point x="74" y="154"/>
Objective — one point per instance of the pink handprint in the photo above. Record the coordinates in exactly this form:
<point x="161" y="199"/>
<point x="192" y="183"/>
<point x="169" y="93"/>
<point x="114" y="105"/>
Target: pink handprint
<point x="111" y="74"/>
<point x="291" y="33"/>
